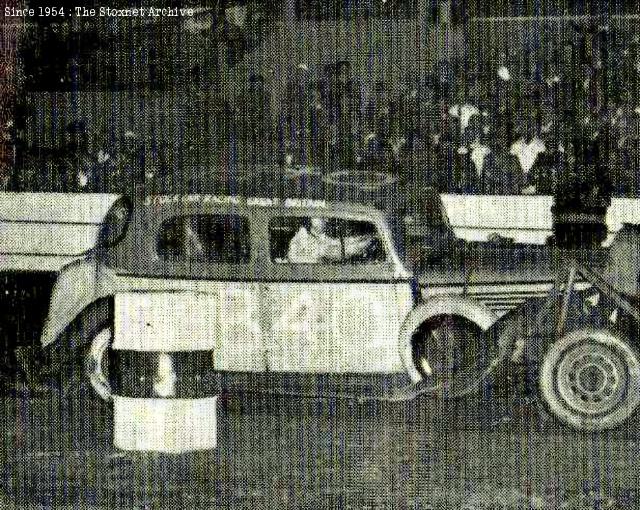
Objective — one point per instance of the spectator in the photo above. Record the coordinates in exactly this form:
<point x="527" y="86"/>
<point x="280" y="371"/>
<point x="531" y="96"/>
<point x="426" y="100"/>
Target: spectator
<point x="463" y="173"/>
<point x="297" y="118"/>
<point x="428" y="156"/>
<point x="551" y="88"/>
<point x="412" y="100"/>
<point x="625" y="127"/>
<point x="427" y="159"/>
<point x="380" y="156"/>
<point x="463" y="111"/>
<point x="379" y="112"/>
<point x="526" y="149"/>
<point x="502" y="134"/>
<point x="342" y="101"/>
<point x="552" y="160"/>
<point x="584" y="187"/>
<point x="445" y="78"/>
<point x="503" y="72"/>
<point x="504" y="175"/>
<point x="477" y="128"/>
<point x="475" y="161"/>
<point x="75" y="165"/>
<point x="484" y="161"/>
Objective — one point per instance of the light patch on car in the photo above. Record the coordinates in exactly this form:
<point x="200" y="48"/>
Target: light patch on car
<point x="235" y="200"/>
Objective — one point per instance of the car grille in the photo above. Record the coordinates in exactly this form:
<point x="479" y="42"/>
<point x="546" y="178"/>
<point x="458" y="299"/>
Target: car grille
<point x="500" y="298"/>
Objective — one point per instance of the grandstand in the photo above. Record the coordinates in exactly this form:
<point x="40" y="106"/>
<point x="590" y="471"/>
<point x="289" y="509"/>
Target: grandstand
<point x="333" y="86"/>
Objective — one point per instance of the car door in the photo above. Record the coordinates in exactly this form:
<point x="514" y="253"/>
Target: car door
<point x="194" y="289"/>
<point x="340" y="313"/>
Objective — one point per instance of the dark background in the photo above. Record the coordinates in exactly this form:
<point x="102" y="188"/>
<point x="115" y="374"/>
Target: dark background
<point x="256" y="83"/>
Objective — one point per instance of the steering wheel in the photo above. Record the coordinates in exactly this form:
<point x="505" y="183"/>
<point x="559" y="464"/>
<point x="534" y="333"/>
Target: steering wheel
<point x="370" y="253"/>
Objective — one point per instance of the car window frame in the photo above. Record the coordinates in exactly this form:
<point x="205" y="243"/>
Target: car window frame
<point x="245" y="220"/>
<point x="135" y="256"/>
<point x="388" y="272"/>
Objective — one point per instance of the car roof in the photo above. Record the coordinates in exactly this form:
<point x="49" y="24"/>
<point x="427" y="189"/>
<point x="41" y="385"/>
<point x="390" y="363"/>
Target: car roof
<point x="354" y="191"/>
<point x="178" y="202"/>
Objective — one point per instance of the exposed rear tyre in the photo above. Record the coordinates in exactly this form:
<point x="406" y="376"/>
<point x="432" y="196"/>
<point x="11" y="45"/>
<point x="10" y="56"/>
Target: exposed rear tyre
<point x="590" y="379"/>
<point x="96" y="363"/>
<point x="80" y="357"/>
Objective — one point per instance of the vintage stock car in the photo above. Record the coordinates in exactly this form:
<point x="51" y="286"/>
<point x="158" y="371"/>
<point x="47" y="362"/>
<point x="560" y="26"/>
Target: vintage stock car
<point x="202" y="284"/>
<point x="189" y="295"/>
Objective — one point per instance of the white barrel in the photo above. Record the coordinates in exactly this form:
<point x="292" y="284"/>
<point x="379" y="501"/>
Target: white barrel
<point x="151" y="413"/>
<point x="168" y="425"/>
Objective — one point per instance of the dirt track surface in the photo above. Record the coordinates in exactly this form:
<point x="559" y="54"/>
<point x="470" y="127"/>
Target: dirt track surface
<point x="296" y="453"/>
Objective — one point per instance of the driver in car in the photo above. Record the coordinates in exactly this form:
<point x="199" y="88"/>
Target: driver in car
<point x="313" y="246"/>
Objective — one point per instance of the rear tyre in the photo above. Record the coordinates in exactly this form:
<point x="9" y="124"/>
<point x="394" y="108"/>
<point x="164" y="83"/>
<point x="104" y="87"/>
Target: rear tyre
<point x="80" y="357"/>
<point x="96" y="363"/>
<point x="590" y="380"/>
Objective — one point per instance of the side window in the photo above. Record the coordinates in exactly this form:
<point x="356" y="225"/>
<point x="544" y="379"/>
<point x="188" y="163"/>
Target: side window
<point x="320" y="240"/>
<point x="115" y="224"/>
<point x="220" y="238"/>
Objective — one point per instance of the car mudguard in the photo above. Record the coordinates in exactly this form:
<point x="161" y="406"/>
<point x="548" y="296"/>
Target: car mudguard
<point x="460" y="306"/>
<point x="78" y="286"/>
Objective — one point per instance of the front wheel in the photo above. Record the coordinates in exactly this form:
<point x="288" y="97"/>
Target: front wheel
<point x="590" y="380"/>
<point x="452" y="353"/>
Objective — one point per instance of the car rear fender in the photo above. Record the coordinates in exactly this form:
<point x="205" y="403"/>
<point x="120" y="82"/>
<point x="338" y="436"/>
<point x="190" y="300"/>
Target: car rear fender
<point x="78" y="286"/>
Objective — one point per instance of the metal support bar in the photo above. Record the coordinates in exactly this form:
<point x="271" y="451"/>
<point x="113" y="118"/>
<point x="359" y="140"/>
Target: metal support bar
<point x="566" y="299"/>
<point x="610" y="291"/>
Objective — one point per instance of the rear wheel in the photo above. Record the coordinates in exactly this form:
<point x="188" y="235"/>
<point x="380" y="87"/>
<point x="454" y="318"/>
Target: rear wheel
<point x="590" y="379"/>
<point x="96" y="363"/>
<point x="80" y="357"/>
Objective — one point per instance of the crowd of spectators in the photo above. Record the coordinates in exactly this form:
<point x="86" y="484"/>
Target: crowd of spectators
<point x="500" y="133"/>
<point x="462" y="127"/>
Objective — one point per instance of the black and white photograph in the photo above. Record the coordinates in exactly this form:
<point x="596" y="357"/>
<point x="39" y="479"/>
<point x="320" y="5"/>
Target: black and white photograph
<point x="320" y="254"/>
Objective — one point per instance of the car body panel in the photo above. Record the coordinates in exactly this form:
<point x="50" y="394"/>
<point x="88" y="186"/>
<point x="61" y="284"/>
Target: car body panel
<point x="274" y="327"/>
<point x="335" y="327"/>
<point x="78" y="285"/>
<point x="45" y="231"/>
<point x="222" y="317"/>
<point x="261" y="316"/>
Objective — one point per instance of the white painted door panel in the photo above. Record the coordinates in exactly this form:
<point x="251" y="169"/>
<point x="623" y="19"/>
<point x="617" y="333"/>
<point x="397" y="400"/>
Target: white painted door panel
<point x="219" y="316"/>
<point x="335" y="327"/>
<point x="281" y="327"/>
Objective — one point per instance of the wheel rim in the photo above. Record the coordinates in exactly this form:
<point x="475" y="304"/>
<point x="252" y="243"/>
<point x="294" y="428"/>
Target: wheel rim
<point x="97" y="363"/>
<point x="590" y="379"/>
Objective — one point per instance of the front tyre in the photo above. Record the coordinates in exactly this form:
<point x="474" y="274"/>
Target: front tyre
<point x="444" y="345"/>
<point x="590" y="380"/>
<point x="451" y="353"/>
